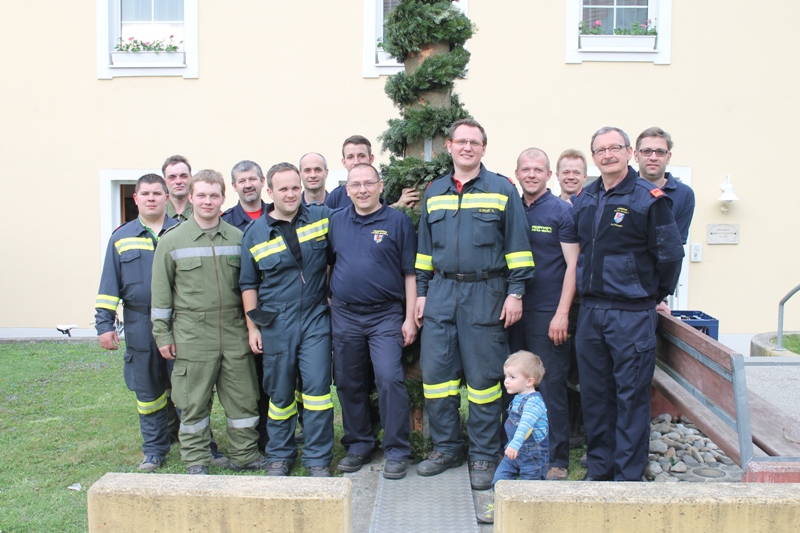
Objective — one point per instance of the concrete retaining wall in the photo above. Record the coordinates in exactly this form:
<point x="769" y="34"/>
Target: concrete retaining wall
<point x="575" y="506"/>
<point x="141" y="503"/>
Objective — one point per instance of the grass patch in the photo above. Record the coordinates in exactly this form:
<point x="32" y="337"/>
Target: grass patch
<point x="790" y="342"/>
<point x="66" y="417"/>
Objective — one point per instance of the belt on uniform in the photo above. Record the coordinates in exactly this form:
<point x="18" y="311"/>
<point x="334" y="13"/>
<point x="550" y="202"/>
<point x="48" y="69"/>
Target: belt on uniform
<point x="473" y="276"/>
<point x="141" y="309"/>
<point x="364" y="308"/>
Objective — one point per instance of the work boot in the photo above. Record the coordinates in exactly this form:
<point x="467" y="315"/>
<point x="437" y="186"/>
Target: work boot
<point x="487" y="516"/>
<point x="319" y="471"/>
<point x="482" y="474"/>
<point x="198" y="470"/>
<point x="217" y="459"/>
<point x="352" y="462"/>
<point x="584" y="461"/>
<point x="279" y="468"/>
<point x="394" y="469"/>
<point x="151" y="463"/>
<point x="259" y="464"/>
<point x="556" y="474"/>
<point x="437" y="462"/>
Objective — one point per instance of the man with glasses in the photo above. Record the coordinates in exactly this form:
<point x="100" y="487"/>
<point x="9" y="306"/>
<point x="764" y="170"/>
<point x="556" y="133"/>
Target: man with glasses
<point x="372" y="247"/>
<point x="630" y="257"/>
<point x="653" y="154"/>
<point x="473" y="260"/>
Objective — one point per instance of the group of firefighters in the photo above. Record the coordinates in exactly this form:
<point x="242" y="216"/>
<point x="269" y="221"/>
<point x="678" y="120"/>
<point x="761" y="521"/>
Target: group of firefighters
<point x="268" y="304"/>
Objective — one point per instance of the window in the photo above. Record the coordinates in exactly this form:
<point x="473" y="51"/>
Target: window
<point x="375" y="62"/>
<point x="147" y="20"/>
<point x="606" y="16"/>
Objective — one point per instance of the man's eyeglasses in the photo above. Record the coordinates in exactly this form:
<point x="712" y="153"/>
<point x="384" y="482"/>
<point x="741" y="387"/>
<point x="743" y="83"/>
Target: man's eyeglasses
<point x="647" y="152"/>
<point x="358" y="186"/>
<point x="463" y="142"/>
<point x="613" y="149"/>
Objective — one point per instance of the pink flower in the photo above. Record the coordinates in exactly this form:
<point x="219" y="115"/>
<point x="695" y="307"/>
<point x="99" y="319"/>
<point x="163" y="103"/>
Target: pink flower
<point x="130" y="38"/>
<point x="171" y="36"/>
<point x="644" y="26"/>
<point x="147" y="43"/>
<point x="598" y="23"/>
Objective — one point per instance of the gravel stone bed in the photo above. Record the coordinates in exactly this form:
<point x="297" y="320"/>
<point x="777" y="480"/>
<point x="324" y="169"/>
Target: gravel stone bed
<point x="680" y="452"/>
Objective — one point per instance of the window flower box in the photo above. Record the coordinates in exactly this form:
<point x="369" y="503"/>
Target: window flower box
<point x="148" y="59"/>
<point x="610" y="43"/>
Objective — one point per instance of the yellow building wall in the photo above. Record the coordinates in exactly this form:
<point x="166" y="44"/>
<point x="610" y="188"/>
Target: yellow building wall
<point x="278" y="79"/>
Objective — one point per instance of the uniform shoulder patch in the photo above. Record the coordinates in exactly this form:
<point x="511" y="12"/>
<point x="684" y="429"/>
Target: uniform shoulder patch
<point x="579" y="192"/>
<point x="656" y="192"/>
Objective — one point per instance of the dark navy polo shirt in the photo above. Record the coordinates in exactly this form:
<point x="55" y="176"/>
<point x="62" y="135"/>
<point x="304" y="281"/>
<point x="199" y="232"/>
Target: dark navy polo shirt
<point x="372" y="255"/>
<point x="550" y="223"/>
<point x="303" y="199"/>
<point x="682" y="204"/>
<point x="338" y="198"/>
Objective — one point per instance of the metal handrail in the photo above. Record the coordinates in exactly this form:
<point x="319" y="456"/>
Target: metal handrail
<point x="780" y="318"/>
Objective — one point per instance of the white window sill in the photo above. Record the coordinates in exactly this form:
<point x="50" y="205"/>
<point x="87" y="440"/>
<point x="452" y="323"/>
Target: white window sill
<point x="148" y="60"/>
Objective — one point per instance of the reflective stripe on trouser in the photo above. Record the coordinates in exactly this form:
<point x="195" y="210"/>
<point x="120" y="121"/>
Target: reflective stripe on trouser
<point x="371" y="340"/>
<point x="235" y="379"/>
<point x="145" y="373"/>
<point x="531" y="333"/>
<point x="616" y="360"/>
<point x="463" y="336"/>
<point x="299" y="338"/>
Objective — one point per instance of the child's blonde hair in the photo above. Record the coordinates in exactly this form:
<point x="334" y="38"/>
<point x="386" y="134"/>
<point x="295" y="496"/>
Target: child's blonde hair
<point x="529" y="363"/>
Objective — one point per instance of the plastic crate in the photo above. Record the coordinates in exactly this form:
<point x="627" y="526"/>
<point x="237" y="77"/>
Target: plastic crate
<point x="700" y="321"/>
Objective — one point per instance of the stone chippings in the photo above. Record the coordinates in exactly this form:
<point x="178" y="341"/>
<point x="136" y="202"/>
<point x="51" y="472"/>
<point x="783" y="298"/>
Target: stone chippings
<point x="680" y="452"/>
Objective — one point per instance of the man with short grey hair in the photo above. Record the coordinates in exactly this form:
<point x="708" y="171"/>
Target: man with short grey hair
<point x="630" y="256"/>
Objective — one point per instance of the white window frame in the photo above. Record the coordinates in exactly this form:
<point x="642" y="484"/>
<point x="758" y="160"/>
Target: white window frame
<point x="659" y="11"/>
<point x="108" y="24"/>
<point x="373" y="27"/>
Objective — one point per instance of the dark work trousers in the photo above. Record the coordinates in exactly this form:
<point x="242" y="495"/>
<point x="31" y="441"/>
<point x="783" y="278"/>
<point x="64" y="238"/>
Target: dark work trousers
<point x="145" y="373"/>
<point x="534" y="327"/>
<point x="616" y="358"/>
<point x="364" y="337"/>
<point x="463" y="337"/>
<point x="263" y="406"/>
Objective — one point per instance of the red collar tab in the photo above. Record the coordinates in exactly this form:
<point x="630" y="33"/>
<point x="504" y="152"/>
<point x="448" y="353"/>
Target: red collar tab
<point x="656" y="193"/>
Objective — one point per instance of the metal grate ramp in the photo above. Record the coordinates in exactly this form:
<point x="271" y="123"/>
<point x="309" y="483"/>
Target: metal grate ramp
<point x="436" y="504"/>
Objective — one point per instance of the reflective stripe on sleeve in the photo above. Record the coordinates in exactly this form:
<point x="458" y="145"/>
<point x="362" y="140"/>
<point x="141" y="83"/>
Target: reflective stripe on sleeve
<point x="317" y="403"/>
<point x="484" y="396"/>
<point x="519" y="260"/>
<point x="446" y="201"/>
<point x="160" y="314"/>
<point x="241" y="423"/>
<point x="424" y="262"/>
<point x="267" y="248"/>
<point x="146" y="408"/>
<point x="196" y="428"/>
<point x="106" y="301"/>
<point x="134" y="243"/>
<point x="278" y="413"/>
<point x="312" y="231"/>
<point x="441" y="390"/>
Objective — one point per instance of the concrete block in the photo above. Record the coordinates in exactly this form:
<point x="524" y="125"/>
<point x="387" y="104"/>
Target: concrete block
<point x="575" y="506"/>
<point x="773" y="472"/>
<point x="140" y="503"/>
<point x="762" y="345"/>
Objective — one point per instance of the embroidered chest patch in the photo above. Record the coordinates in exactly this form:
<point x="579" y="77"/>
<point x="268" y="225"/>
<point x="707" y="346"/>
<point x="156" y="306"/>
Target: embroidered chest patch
<point x="619" y="216"/>
<point x="378" y="234"/>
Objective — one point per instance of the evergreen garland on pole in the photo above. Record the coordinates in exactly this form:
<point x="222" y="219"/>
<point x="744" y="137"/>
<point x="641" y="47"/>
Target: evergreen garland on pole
<point x="428" y="36"/>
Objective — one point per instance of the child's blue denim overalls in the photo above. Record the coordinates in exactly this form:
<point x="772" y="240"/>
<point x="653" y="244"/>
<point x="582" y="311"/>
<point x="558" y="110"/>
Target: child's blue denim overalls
<point x="534" y="457"/>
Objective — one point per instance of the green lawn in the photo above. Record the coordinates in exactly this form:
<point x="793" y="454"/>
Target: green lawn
<point x="790" y="342"/>
<point x="66" y="417"/>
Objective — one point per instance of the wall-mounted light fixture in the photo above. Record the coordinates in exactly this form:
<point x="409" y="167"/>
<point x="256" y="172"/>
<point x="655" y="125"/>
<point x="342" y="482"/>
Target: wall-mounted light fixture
<point x="728" y="195"/>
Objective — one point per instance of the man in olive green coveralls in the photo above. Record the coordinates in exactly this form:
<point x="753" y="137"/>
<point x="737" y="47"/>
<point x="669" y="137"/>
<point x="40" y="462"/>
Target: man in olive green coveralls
<point x="198" y="321"/>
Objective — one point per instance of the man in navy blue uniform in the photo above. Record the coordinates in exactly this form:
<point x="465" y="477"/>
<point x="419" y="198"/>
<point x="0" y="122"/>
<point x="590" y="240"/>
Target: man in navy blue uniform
<point x="126" y="277"/>
<point x="473" y="260"/>
<point x="283" y="280"/>
<point x="653" y="154"/>
<point x="372" y="248"/>
<point x="247" y="179"/>
<point x="629" y="261"/>
<point x="544" y="327"/>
